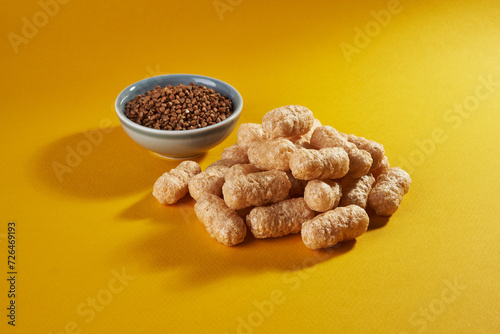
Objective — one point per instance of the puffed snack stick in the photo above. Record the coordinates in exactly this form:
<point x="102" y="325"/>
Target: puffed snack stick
<point x="248" y="133"/>
<point x="334" y="226"/>
<point x="173" y="185"/>
<point x="360" y="161"/>
<point x="326" y="163"/>
<point x="356" y="190"/>
<point x="240" y="169"/>
<point x="383" y="168"/>
<point x="375" y="149"/>
<point x="287" y="121"/>
<point x="209" y="181"/>
<point x="279" y="219"/>
<point x="235" y="153"/>
<point x="388" y="192"/>
<point x="272" y="154"/>
<point x="305" y="140"/>
<point x="322" y="195"/>
<point x="222" y="223"/>
<point x="256" y="189"/>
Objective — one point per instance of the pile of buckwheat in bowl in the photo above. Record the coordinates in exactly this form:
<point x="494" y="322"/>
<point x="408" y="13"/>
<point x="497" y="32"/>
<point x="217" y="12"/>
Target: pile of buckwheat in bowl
<point x="179" y="107"/>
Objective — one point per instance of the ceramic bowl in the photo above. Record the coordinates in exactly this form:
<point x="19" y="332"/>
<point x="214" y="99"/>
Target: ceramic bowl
<point x="181" y="144"/>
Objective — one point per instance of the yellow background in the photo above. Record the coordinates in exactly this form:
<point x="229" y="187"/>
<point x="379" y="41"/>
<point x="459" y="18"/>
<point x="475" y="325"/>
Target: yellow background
<point x="75" y="235"/>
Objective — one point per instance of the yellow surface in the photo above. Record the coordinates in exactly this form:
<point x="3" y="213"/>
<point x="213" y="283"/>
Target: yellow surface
<point x="433" y="267"/>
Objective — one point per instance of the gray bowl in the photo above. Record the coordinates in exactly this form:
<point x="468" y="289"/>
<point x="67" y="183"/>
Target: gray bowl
<point x="179" y="144"/>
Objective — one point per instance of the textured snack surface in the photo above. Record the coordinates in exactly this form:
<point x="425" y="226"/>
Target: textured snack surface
<point x="327" y="163"/>
<point x="360" y="161"/>
<point x="375" y="149"/>
<point x="287" y="121"/>
<point x="322" y="195"/>
<point x="222" y="162"/>
<point x="222" y="223"/>
<point x="388" y="192"/>
<point x="326" y="136"/>
<point x="271" y="154"/>
<point x="209" y="181"/>
<point x="240" y="169"/>
<point x="173" y="185"/>
<point x="305" y="140"/>
<point x="279" y="219"/>
<point x="235" y="153"/>
<point x="331" y="227"/>
<point x="249" y="133"/>
<point x="281" y="174"/>
<point x="383" y="168"/>
<point x="356" y="190"/>
<point x="256" y="189"/>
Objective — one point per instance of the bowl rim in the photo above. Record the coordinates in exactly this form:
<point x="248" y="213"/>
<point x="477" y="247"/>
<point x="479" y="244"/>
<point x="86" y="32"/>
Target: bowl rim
<point x="156" y="132"/>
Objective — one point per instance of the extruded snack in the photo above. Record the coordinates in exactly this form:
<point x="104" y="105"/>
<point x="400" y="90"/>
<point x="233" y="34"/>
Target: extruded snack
<point x="305" y="140"/>
<point x="240" y="169"/>
<point x="279" y="219"/>
<point x="375" y="149"/>
<point x="316" y="124"/>
<point x="223" y="224"/>
<point x="326" y="136"/>
<point x="258" y="181"/>
<point x="287" y="121"/>
<point x="383" y="168"/>
<point x="298" y="186"/>
<point x="334" y="226"/>
<point x="249" y="133"/>
<point x="322" y="195"/>
<point x="327" y="163"/>
<point x="173" y="185"/>
<point x="222" y="162"/>
<point x="256" y="189"/>
<point x="388" y="192"/>
<point x="272" y="154"/>
<point x="235" y="153"/>
<point x="209" y="181"/>
<point x="356" y="190"/>
<point x="360" y="161"/>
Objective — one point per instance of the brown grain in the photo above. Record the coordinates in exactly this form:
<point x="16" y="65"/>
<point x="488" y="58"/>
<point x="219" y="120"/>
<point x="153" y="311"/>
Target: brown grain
<point x="179" y="107"/>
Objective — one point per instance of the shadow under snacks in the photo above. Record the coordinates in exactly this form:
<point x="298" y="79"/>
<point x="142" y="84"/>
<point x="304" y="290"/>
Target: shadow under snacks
<point x="98" y="164"/>
<point x="376" y="221"/>
<point x="179" y="241"/>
